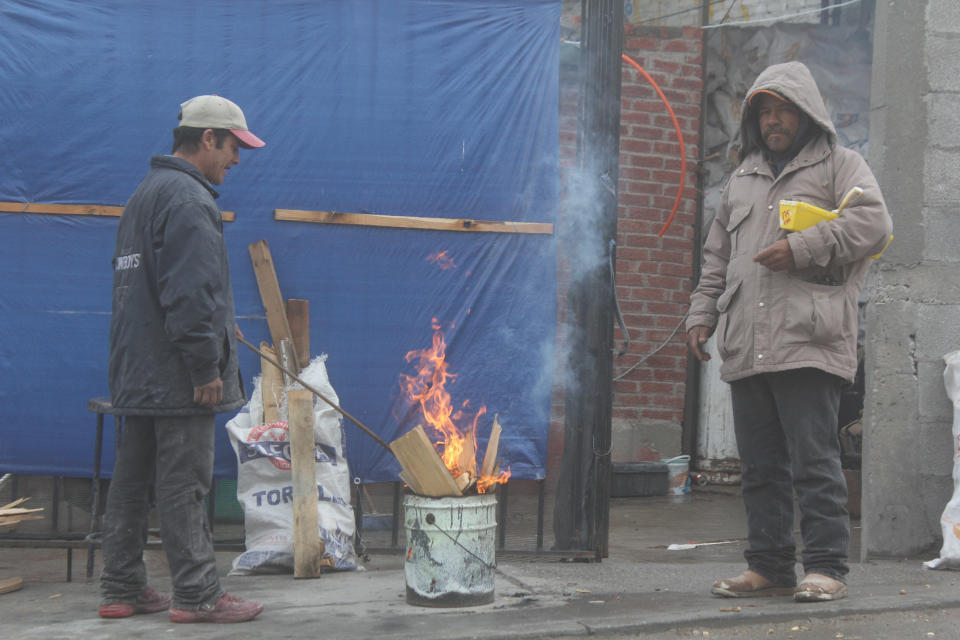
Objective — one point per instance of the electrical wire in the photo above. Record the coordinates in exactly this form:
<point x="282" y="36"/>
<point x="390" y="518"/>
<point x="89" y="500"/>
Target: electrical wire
<point x="662" y="345"/>
<point x="676" y="126"/>
<point x="779" y="18"/>
<point x="681" y="12"/>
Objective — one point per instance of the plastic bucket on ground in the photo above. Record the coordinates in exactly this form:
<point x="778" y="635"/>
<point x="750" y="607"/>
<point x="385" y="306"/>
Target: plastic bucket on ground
<point x="451" y="553"/>
<point x="678" y="473"/>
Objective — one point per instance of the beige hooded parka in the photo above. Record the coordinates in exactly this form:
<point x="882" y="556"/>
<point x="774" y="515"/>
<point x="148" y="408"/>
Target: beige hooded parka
<point x="770" y="321"/>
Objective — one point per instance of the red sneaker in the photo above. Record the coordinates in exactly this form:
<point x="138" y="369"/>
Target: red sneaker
<point x="150" y="602"/>
<point x="227" y="609"/>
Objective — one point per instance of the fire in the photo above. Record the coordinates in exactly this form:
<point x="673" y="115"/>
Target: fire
<point x="428" y="388"/>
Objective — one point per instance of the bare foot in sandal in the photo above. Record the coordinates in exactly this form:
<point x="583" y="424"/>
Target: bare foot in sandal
<point x="749" y="584"/>
<point x="816" y="587"/>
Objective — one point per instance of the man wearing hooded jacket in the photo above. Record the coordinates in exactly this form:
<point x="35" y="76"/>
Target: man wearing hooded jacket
<point x="784" y="309"/>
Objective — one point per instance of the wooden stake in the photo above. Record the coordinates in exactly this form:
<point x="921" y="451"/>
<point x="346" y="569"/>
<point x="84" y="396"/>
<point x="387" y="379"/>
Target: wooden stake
<point x="307" y="546"/>
<point x="271" y="387"/>
<point x="270" y="294"/>
<point x="298" y="317"/>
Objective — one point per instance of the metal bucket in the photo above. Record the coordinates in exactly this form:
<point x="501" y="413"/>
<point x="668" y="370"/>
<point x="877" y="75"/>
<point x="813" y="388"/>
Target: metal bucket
<point x="451" y="555"/>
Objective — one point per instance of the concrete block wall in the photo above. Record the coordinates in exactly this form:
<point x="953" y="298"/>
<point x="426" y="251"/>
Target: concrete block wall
<point x="912" y="319"/>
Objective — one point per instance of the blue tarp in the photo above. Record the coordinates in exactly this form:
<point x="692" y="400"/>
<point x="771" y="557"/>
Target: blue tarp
<point x="400" y="107"/>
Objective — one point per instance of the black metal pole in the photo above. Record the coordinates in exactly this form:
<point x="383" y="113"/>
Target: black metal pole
<point x="582" y="515"/>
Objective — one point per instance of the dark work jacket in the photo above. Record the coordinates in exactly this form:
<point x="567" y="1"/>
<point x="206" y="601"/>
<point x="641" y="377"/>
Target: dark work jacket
<point x="173" y="326"/>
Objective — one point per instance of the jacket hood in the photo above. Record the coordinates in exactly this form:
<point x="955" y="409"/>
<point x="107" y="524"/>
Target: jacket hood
<point x="793" y="81"/>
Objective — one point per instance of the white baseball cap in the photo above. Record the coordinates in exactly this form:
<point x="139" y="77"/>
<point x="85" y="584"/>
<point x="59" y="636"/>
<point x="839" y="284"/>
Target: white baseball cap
<point x="215" y="112"/>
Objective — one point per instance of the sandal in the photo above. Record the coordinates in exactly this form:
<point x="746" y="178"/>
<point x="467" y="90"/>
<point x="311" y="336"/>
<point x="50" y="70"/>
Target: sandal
<point x="749" y="584"/>
<point x="816" y="587"/>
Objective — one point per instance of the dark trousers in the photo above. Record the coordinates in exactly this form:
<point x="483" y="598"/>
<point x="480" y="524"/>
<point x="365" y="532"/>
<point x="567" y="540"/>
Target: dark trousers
<point x="174" y="454"/>
<point x="786" y="428"/>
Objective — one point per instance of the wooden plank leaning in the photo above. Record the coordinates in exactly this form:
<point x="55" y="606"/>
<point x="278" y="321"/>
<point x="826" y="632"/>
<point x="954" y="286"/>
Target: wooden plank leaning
<point x="307" y="546"/>
<point x="273" y="302"/>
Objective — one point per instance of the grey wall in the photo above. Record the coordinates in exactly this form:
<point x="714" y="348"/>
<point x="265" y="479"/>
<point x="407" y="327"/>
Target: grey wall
<point x="913" y="318"/>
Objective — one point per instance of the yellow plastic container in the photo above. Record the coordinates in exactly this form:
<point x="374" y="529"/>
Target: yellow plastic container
<point x="797" y="216"/>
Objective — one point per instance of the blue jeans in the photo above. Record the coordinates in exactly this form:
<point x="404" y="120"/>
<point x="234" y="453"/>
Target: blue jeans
<point x="786" y="428"/>
<point x="174" y="454"/>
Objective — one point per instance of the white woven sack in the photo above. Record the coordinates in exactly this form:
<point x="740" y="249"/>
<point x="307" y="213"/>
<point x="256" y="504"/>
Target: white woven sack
<point x="265" y="487"/>
<point x="950" y="518"/>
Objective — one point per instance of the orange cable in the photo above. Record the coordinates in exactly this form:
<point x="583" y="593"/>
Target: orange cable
<point x="676" y="126"/>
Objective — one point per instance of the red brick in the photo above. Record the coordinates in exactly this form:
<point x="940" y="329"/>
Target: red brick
<point x="692" y="84"/>
<point x="637" y="146"/>
<point x="667" y="66"/>
<point x="680" y="45"/>
<point x="670" y="177"/>
<point x="664" y="282"/>
<point x="633" y="116"/>
<point x="637" y="44"/>
<point x="647" y="132"/>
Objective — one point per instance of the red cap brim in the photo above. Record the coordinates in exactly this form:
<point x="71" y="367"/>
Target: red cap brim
<point x="247" y="139"/>
<point x="767" y="91"/>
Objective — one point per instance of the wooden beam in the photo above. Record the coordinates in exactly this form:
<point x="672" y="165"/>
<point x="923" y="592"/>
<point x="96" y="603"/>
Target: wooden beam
<point x="76" y="209"/>
<point x="412" y="222"/>
<point x="270" y="294"/>
<point x="307" y="546"/>
<point x="422" y="464"/>
<point x="298" y="317"/>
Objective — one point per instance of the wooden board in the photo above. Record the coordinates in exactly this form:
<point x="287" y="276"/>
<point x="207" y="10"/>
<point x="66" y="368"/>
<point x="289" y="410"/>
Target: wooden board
<point x="13" y="504"/>
<point x="270" y="294"/>
<point x="490" y="455"/>
<point x="414" y="486"/>
<point x="412" y="222"/>
<point x="298" y="318"/>
<point x="422" y="464"/>
<point x="307" y="546"/>
<point x="10" y="584"/>
<point x="271" y="386"/>
<point x="76" y="209"/>
<point x="467" y="460"/>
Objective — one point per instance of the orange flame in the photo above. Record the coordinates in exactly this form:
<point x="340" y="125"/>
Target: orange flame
<point x="427" y="387"/>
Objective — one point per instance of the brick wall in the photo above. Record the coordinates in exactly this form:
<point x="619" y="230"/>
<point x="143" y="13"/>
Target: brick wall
<point x="653" y="273"/>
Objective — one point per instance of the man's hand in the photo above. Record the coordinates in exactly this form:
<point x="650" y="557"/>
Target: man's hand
<point x="696" y="337"/>
<point x="210" y="394"/>
<point x="776" y="257"/>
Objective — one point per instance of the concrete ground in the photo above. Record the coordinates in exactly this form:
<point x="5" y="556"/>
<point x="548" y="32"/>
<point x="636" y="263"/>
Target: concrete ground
<point x="641" y="589"/>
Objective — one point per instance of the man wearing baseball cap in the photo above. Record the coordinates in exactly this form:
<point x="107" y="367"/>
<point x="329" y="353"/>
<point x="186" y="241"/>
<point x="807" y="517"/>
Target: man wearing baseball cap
<point x="172" y="368"/>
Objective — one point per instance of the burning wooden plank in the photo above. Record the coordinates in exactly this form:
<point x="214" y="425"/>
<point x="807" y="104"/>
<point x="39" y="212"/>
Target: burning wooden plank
<point x="422" y="464"/>
<point x="465" y="480"/>
<point x="467" y="460"/>
<point x="490" y="455"/>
